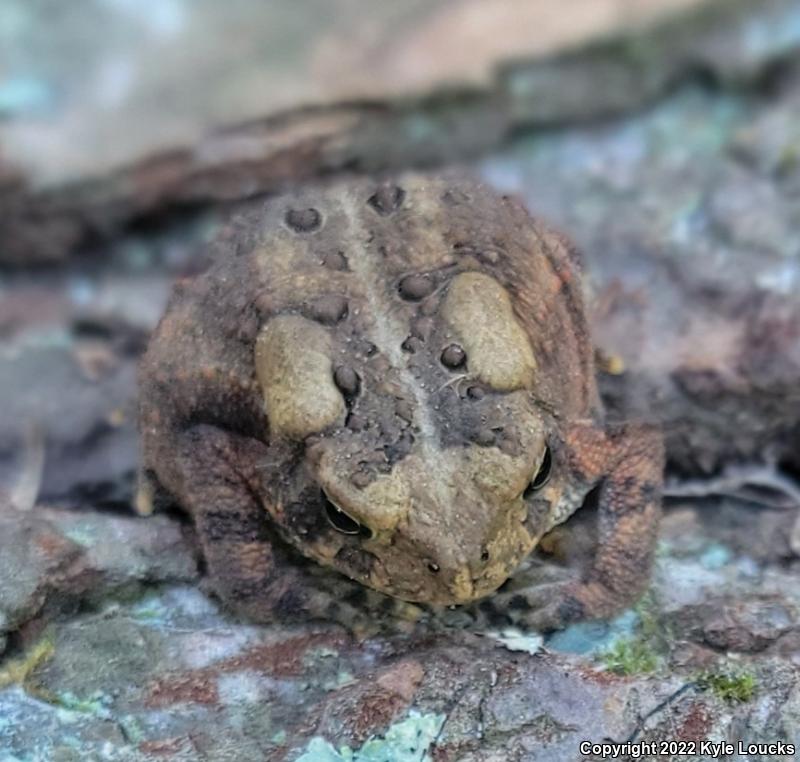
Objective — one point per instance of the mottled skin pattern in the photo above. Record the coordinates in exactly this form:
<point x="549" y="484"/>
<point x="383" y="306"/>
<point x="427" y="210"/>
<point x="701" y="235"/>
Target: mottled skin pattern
<point x="395" y="381"/>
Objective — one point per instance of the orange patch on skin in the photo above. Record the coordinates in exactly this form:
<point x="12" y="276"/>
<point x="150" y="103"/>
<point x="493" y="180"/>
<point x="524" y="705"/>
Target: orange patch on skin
<point x="597" y="599"/>
<point x="589" y="451"/>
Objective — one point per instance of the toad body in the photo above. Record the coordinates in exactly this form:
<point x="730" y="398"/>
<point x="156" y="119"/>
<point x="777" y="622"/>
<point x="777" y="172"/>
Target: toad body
<point x="395" y="381"/>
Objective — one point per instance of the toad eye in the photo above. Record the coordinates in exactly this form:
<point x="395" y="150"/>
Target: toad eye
<point x="542" y="475"/>
<point x="341" y="522"/>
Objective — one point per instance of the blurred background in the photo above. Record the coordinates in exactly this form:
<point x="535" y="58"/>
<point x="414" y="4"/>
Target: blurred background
<point x="662" y="135"/>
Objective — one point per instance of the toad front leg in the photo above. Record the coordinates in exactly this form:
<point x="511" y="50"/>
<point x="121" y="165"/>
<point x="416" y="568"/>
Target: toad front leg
<point x="628" y="465"/>
<point x="253" y="575"/>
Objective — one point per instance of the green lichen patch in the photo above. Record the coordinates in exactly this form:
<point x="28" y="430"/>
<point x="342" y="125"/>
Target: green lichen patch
<point x="406" y="741"/>
<point x="18" y="671"/>
<point x="96" y="704"/>
<point x="593" y="637"/>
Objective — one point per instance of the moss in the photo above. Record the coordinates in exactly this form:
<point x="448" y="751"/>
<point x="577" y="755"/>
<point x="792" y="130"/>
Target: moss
<point x="631" y="656"/>
<point x="650" y="626"/>
<point x="643" y="651"/>
<point x="731" y="684"/>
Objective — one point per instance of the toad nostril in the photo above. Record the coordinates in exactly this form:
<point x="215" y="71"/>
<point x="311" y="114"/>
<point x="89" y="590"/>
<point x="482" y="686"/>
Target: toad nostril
<point x="484" y="555"/>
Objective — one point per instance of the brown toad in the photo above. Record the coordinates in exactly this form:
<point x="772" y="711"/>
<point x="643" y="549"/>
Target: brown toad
<point x="394" y="380"/>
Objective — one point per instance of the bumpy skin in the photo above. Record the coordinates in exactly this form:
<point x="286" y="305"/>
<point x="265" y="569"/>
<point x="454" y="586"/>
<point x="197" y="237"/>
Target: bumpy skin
<point x="394" y="380"/>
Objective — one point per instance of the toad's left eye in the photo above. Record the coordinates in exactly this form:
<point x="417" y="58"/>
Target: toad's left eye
<point x="543" y="474"/>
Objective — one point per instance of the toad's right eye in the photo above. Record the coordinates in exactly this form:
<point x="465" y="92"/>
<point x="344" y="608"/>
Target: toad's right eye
<point x="341" y="522"/>
<point x="543" y="474"/>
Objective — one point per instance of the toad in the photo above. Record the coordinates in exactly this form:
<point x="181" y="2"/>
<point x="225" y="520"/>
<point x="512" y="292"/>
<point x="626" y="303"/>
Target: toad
<point x="395" y="381"/>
